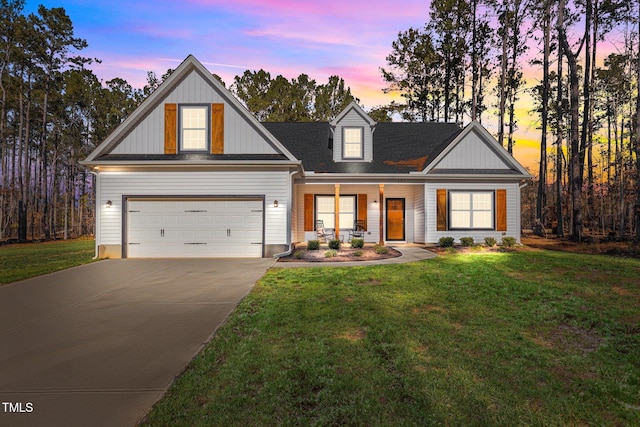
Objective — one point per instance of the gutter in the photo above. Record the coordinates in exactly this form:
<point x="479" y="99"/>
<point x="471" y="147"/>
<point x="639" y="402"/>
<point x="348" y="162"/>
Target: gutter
<point x="181" y="164"/>
<point x="402" y="179"/>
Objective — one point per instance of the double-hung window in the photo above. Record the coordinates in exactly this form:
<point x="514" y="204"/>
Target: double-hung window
<point x="352" y="143"/>
<point x="194" y="125"/>
<point x="325" y="211"/>
<point x="471" y="210"/>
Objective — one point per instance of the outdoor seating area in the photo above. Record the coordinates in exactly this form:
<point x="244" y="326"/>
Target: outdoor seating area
<point x="324" y="234"/>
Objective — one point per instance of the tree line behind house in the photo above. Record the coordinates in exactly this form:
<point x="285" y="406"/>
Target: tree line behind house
<point x="466" y="63"/>
<point x="54" y="111"/>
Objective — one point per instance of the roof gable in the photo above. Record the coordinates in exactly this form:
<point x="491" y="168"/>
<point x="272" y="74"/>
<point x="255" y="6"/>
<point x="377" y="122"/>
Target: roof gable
<point x="355" y="108"/>
<point x="475" y="151"/>
<point x="141" y="134"/>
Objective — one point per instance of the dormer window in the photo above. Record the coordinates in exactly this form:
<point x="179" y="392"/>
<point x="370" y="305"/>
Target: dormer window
<point x="352" y="143"/>
<point x="194" y="134"/>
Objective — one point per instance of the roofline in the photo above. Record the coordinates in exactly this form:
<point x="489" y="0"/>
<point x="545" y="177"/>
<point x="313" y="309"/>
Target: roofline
<point x="187" y="164"/>
<point x="189" y="64"/>
<point x="485" y="135"/>
<point x="412" y="177"/>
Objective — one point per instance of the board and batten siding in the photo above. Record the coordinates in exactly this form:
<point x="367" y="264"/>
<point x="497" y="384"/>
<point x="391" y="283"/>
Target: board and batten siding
<point x="372" y="234"/>
<point x="472" y="153"/>
<point x="513" y="214"/>
<point x="240" y="137"/>
<point x="353" y="119"/>
<point x="272" y="184"/>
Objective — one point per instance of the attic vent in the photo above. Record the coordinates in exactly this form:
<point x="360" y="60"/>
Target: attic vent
<point x="401" y="181"/>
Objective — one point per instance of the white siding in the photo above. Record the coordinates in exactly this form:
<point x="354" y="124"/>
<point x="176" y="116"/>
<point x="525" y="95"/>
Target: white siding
<point x="353" y="119"/>
<point x="372" y="234"/>
<point x="471" y="153"/>
<point x="513" y="213"/>
<point x="240" y="137"/>
<point x="272" y="185"/>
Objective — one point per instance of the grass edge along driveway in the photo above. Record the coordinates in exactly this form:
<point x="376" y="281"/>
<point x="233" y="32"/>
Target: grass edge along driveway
<point x="25" y="260"/>
<point x="527" y="337"/>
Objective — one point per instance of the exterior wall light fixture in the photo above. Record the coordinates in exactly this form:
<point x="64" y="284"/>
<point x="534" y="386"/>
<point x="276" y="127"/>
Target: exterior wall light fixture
<point x="109" y="203"/>
<point x="275" y="203"/>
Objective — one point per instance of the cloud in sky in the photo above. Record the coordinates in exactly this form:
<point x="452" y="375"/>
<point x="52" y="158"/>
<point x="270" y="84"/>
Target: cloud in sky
<point x="348" y="38"/>
<point x="286" y="37"/>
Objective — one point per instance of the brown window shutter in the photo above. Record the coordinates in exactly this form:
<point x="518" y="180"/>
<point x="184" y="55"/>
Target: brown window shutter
<point x="170" y="129"/>
<point x="308" y="212"/>
<point x="217" y="128"/>
<point x="362" y="209"/>
<point x="501" y="210"/>
<point x="441" y="209"/>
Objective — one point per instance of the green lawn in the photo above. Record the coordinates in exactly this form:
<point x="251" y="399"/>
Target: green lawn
<point x="19" y="262"/>
<point x="516" y="338"/>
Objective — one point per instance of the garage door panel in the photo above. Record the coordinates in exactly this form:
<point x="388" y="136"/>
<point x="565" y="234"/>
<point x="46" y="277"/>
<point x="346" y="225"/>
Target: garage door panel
<point x="195" y="228"/>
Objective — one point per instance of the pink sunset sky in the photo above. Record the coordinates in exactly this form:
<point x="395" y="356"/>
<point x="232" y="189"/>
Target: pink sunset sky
<point x="349" y="38"/>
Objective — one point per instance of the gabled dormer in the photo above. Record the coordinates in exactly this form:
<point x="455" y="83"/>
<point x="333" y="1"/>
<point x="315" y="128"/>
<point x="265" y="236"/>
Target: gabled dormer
<point x="353" y="135"/>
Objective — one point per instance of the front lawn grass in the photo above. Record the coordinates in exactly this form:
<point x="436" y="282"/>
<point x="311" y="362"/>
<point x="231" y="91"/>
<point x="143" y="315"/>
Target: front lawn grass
<point x="513" y="338"/>
<point x="22" y="261"/>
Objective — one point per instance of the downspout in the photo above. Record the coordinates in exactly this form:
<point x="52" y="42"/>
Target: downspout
<point x="289" y="220"/>
<point x="524" y="184"/>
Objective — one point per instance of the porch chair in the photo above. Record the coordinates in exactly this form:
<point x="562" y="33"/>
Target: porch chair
<point x="358" y="230"/>
<point x="323" y="233"/>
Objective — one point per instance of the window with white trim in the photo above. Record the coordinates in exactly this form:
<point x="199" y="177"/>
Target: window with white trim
<point x="194" y="125"/>
<point x="325" y="211"/>
<point x="352" y="143"/>
<point x="470" y="210"/>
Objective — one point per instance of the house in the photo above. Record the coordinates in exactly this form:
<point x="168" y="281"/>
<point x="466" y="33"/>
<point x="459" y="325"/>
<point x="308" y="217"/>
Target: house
<point x="192" y="173"/>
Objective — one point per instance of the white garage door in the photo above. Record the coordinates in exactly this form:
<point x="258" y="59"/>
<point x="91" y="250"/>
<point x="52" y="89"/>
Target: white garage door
<point x="194" y="228"/>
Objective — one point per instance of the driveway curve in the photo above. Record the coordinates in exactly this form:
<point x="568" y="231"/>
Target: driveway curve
<point x="100" y="343"/>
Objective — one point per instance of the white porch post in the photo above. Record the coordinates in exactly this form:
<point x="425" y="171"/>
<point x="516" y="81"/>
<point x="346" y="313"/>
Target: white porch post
<point x="337" y="211"/>
<point x="381" y="198"/>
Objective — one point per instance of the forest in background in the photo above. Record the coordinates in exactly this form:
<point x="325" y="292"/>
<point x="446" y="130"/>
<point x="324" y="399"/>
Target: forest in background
<point x="466" y="63"/>
<point x="54" y="111"/>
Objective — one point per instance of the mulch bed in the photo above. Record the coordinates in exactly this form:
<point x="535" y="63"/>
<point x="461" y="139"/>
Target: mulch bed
<point x="346" y="253"/>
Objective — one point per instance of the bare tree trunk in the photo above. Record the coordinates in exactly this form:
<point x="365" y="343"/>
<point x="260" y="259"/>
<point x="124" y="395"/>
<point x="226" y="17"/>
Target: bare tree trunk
<point x="502" y="89"/>
<point x="541" y="201"/>
<point x="44" y="179"/>
<point x="559" y="166"/>
<point x="585" y="137"/>
<point x="637" y="139"/>
<point x="474" y="62"/>
<point x="575" y="161"/>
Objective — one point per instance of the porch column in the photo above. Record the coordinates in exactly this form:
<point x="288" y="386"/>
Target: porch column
<point x="337" y="211"/>
<point x="381" y="198"/>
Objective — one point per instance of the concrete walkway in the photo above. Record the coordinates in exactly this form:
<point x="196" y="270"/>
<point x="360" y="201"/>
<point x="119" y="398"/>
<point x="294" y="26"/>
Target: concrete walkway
<point x="99" y="344"/>
<point x="410" y="253"/>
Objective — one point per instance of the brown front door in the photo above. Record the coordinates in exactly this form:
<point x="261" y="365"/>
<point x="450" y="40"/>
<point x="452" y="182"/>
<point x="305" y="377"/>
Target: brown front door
<point x="395" y="219"/>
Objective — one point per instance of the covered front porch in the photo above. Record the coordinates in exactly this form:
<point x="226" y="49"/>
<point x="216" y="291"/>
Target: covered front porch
<point x="391" y="213"/>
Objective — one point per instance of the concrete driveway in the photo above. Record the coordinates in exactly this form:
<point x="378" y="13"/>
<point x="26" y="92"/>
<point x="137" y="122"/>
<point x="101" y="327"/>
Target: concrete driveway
<point x="99" y="344"/>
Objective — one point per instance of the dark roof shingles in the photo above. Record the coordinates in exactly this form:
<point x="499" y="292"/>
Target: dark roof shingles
<point x="397" y="147"/>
